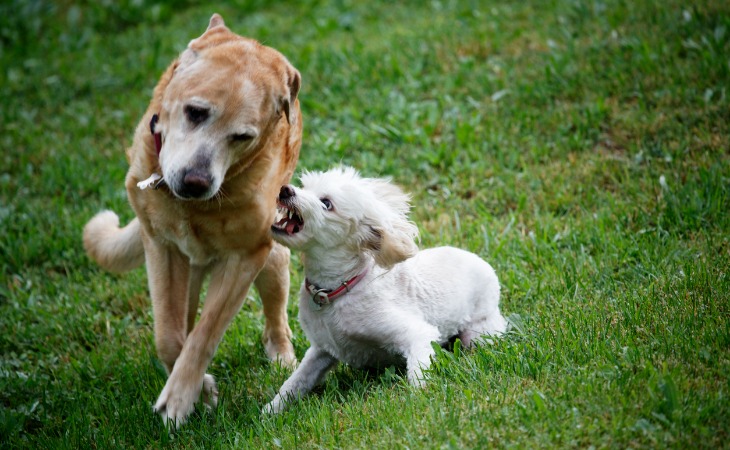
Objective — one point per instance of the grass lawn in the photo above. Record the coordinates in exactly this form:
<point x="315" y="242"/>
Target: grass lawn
<point x="581" y="147"/>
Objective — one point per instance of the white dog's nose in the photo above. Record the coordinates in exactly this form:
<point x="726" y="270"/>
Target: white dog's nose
<point x="287" y="191"/>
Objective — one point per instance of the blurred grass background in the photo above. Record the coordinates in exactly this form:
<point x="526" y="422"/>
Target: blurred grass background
<point x="581" y="147"/>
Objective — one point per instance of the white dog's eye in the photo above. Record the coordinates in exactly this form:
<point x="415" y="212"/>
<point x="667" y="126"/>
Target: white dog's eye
<point x="327" y="204"/>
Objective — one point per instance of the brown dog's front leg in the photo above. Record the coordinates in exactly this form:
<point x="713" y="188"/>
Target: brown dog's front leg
<point x="229" y="283"/>
<point x="197" y="273"/>
<point x="168" y="272"/>
<point x="273" y="286"/>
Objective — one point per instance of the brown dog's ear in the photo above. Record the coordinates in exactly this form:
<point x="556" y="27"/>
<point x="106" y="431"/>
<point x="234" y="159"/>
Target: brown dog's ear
<point x="216" y="33"/>
<point x="294" y="83"/>
<point x="391" y="246"/>
<point x="213" y="35"/>
<point x="215" y="21"/>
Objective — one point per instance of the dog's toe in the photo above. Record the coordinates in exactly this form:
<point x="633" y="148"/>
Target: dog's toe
<point x="210" y="392"/>
<point x="282" y="354"/>
<point x="287" y="361"/>
<point x="275" y="406"/>
<point x="170" y="421"/>
<point x="175" y="403"/>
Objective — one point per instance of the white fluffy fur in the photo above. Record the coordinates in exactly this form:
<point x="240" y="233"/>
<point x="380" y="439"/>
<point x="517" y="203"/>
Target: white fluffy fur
<point x="408" y="298"/>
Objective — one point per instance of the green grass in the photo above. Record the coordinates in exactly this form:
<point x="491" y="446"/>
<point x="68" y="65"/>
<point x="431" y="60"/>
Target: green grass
<point x="533" y="133"/>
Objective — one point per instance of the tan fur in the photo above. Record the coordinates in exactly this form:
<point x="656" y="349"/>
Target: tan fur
<point x="251" y="88"/>
<point x="113" y="248"/>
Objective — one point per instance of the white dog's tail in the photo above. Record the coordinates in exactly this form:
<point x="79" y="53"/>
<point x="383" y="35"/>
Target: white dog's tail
<point x="113" y="248"/>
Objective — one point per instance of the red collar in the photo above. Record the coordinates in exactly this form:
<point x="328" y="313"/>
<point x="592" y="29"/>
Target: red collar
<point x="322" y="297"/>
<point x="157" y="136"/>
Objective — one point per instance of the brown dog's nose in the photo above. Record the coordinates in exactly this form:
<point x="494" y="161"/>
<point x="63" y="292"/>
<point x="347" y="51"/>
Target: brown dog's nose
<point x="195" y="183"/>
<point x="286" y="192"/>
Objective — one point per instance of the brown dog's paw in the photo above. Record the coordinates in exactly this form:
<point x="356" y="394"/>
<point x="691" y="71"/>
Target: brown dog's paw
<point x="209" y="395"/>
<point x="282" y="353"/>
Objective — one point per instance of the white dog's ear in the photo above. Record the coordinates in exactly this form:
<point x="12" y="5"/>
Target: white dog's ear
<point x="392" y="245"/>
<point x="385" y="231"/>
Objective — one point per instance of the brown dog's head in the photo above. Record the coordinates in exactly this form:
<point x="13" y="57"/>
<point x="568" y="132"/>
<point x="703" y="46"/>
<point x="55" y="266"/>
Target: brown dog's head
<point x="227" y="98"/>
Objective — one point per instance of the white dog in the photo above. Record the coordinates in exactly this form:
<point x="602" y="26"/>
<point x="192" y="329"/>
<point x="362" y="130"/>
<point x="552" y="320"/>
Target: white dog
<point x="370" y="298"/>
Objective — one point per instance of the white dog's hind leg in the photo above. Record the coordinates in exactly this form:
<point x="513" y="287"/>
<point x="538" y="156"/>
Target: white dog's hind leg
<point x="493" y="325"/>
<point x="313" y="368"/>
<point x="419" y="352"/>
<point x="417" y="361"/>
<point x="496" y="324"/>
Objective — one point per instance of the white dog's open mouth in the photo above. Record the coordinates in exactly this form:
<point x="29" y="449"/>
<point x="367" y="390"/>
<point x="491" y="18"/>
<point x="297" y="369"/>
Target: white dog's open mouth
<point x="288" y="220"/>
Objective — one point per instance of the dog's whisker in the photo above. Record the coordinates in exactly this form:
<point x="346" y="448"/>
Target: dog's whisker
<point x="222" y="197"/>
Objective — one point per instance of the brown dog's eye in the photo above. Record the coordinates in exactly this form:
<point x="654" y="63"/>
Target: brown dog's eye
<point x="195" y="114"/>
<point x="241" y="137"/>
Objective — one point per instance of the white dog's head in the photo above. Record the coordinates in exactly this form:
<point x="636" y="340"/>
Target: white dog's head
<point x="339" y="211"/>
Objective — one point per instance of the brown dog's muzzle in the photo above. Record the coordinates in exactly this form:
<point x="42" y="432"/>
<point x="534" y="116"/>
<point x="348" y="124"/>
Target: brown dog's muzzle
<point x="195" y="183"/>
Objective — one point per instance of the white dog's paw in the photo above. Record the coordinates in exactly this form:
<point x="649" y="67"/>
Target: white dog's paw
<point x="177" y="399"/>
<point x="418" y="362"/>
<point x="417" y="379"/>
<point x="496" y="325"/>
<point x="275" y="406"/>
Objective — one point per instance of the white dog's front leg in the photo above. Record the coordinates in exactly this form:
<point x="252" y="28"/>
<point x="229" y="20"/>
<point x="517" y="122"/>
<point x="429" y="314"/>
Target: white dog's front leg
<point x="313" y="368"/>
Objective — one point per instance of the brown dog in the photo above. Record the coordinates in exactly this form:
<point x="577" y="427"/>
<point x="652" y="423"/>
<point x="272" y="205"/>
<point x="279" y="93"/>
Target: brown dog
<point x="223" y="131"/>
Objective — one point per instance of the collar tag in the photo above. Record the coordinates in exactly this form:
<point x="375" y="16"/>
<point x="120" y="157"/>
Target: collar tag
<point x="320" y="298"/>
<point x="154" y="180"/>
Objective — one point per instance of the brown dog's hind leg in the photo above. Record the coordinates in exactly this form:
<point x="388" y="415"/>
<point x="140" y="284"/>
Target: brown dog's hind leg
<point x="273" y="286"/>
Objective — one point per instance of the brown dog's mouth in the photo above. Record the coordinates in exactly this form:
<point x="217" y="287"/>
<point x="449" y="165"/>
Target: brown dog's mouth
<point x="288" y="220"/>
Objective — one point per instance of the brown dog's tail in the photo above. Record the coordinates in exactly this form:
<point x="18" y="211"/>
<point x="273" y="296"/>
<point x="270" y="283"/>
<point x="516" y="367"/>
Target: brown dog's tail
<point x="113" y="248"/>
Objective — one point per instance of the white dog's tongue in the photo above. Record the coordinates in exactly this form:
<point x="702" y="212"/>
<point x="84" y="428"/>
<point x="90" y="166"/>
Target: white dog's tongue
<point x="290" y="227"/>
